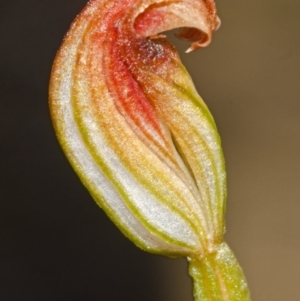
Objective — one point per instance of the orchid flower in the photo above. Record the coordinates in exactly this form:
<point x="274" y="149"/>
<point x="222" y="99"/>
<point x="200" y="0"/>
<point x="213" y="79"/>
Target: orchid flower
<point x="141" y="139"/>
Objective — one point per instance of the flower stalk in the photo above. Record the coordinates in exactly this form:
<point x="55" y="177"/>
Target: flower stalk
<point x="141" y="139"/>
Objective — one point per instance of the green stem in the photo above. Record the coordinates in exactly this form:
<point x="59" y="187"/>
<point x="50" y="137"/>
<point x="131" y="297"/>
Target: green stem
<point x="218" y="277"/>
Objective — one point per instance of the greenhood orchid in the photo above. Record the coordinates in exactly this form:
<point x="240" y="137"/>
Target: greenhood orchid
<point x="141" y="139"/>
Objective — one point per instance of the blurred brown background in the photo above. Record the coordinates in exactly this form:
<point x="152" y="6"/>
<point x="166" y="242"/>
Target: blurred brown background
<point x="55" y="244"/>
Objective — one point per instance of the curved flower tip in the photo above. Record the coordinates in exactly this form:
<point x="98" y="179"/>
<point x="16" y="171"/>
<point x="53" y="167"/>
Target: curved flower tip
<point x="135" y="130"/>
<point x="196" y="18"/>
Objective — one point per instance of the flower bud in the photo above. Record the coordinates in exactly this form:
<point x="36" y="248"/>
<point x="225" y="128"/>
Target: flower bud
<point x="132" y="125"/>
